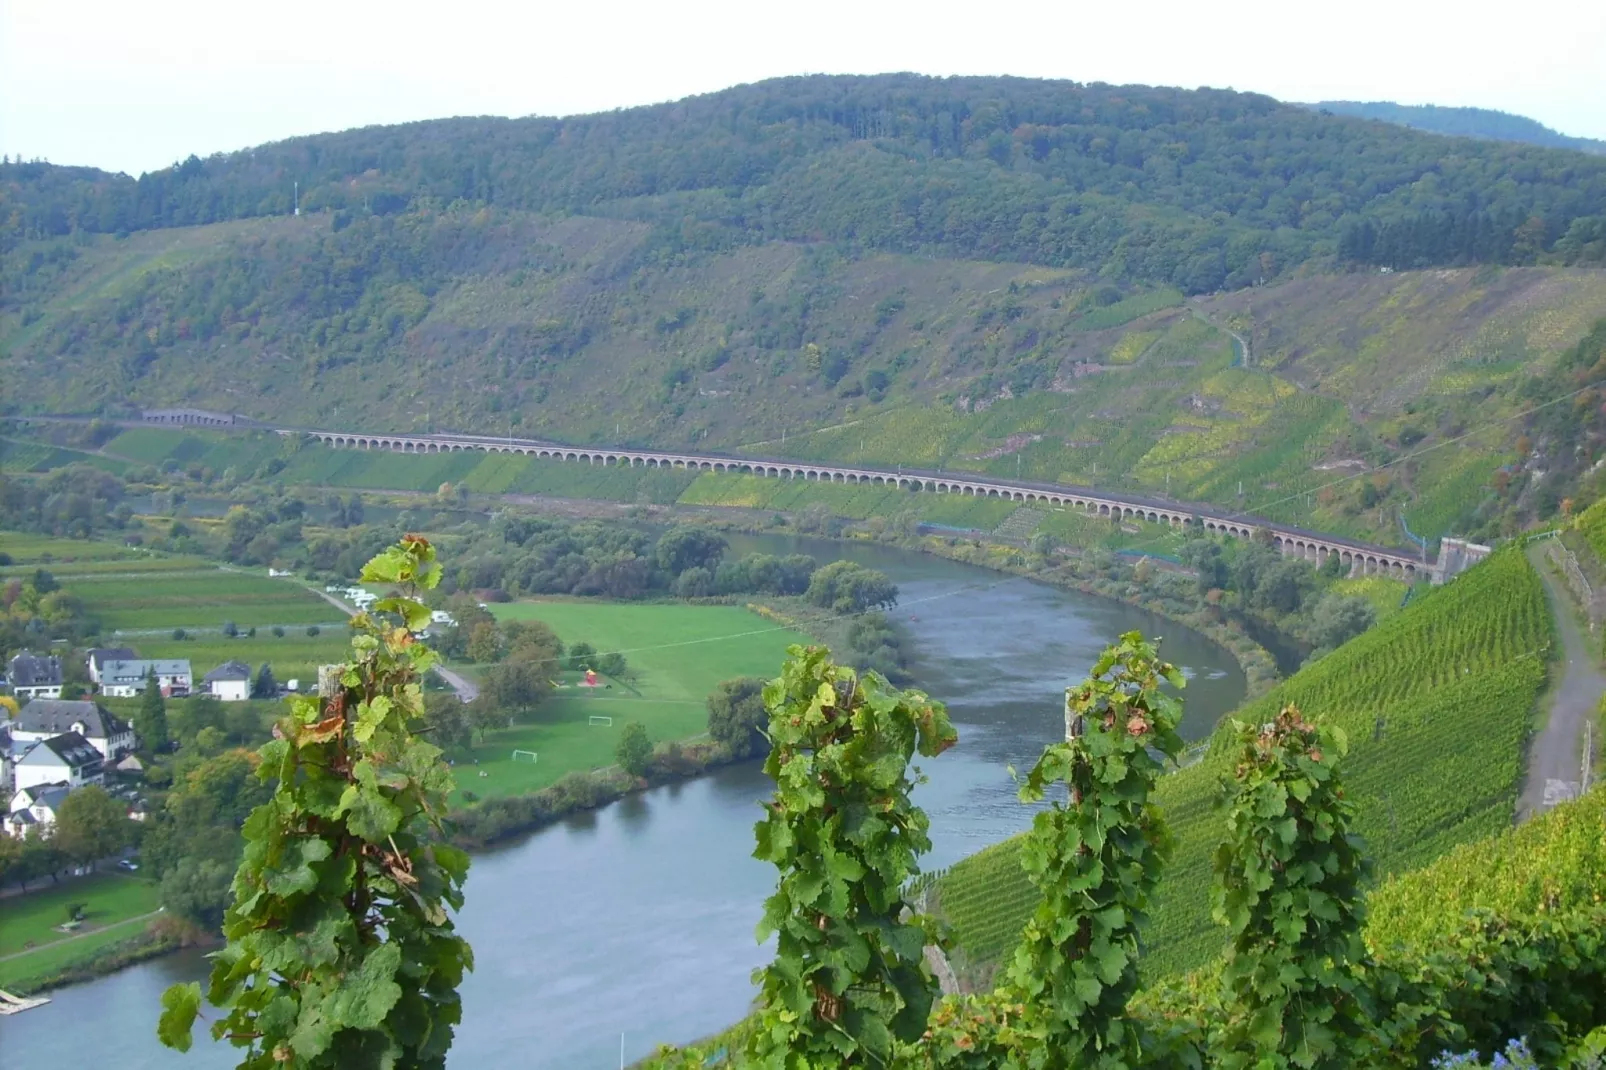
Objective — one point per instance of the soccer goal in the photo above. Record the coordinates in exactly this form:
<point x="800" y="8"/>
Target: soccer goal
<point x="597" y="718"/>
<point x="525" y="756"/>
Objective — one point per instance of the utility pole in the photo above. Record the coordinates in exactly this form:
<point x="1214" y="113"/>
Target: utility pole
<point x="296" y="197"/>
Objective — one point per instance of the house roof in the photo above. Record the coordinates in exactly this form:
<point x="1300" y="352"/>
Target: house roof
<point x="229" y="670"/>
<point x="101" y="655"/>
<point x="22" y="817"/>
<point x="69" y="749"/>
<point x="35" y="670"/>
<point x="50" y="796"/>
<point x="53" y="716"/>
<point x="31" y="795"/>
<point x="134" y="669"/>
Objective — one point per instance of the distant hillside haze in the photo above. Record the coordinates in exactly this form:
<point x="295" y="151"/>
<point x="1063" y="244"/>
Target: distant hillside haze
<point x="1463" y="122"/>
<point x="1199" y="189"/>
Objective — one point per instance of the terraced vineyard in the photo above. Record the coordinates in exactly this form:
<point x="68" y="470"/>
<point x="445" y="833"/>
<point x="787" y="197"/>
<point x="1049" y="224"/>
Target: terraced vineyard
<point x="1436" y="702"/>
<point x="1552" y="864"/>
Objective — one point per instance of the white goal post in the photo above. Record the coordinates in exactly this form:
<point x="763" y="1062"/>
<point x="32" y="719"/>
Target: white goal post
<point x="526" y="756"/>
<point x="597" y="718"/>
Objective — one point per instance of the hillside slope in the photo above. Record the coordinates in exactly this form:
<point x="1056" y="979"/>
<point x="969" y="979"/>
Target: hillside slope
<point x="594" y="333"/>
<point x="1436" y="703"/>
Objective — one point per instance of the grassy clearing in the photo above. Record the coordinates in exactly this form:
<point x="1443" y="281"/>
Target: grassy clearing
<point x="28" y="931"/>
<point x="678" y="655"/>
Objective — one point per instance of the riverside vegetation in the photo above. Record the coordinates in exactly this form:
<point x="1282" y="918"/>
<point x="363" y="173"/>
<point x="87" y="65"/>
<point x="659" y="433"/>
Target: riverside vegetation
<point x="1304" y="981"/>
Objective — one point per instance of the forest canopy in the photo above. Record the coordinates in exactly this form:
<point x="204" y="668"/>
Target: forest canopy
<point x="1202" y="189"/>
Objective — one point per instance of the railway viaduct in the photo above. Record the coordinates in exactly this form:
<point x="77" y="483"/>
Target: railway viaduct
<point x="1358" y="558"/>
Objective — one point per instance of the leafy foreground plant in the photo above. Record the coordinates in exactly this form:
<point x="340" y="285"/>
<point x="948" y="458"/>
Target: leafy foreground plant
<point x="1097" y="861"/>
<point x="849" y="977"/>
<point x="1288" y="889"/>
<point x="341" y="952"/>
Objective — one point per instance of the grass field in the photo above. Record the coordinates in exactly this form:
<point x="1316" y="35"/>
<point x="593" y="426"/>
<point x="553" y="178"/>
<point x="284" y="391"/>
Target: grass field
<point x="30" y="945"/>
<point x="678" y="654"/>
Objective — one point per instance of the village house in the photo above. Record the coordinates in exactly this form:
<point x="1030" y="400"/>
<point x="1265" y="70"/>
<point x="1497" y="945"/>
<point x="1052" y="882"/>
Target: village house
<point x="65" y="759"/>
<point x="35" y="807"/>
<point x="42" y="719"/>
<point x="125" y="679"/>
<point x="99" y="656"/>
<point x="229" y="682"/>
<point x="34" y="676"/>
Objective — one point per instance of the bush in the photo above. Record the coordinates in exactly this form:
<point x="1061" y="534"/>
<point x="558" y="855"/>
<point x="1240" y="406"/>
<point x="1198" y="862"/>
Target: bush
<point x="312" y="631"/>
<point x="179" y="635"/>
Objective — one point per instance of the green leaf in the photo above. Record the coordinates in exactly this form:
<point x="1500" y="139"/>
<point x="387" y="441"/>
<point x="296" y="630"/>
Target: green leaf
<point x="180" y="1005"/>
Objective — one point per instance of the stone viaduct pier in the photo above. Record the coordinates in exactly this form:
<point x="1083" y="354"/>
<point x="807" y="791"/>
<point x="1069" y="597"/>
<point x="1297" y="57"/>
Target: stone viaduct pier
<point x="1358" y="558"/>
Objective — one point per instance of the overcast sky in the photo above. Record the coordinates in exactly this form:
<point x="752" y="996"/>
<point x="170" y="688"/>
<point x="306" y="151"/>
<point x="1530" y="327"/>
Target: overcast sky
<point x="134" y="85"/>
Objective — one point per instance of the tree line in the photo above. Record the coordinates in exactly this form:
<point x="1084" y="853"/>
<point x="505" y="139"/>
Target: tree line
<point x="1199" y="188"/>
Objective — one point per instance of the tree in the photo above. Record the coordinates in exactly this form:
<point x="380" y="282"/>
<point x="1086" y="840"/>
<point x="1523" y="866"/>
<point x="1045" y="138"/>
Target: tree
<point x="186" y="719"/>
<point x="696" y="582"/>
<point x="582" y="656"/>
<point x="230" y="629"/>
<point x="634" y="750"/>
<point x="198" y="890"/>
<point x="42" y="856"/>
<point x="515" y="686"/>
<point x="681" y="548"/>
<point x="1339" y="618"/>
<point x="10" y="859"/>
<point x="312" y="631"/>
<point x="485" y="716"/>
<point x="484" y="643"/>
<point x="612" y="664"/>
<point x="446" y="722"/>
<point x="1288" y="882"/>
<point x="91" y="825"/>
<point x="150" y="723"/>
<point x="847" y="587"/>
<point x="265" y="686"/>
<point x="737" y="717"/>
<point x="849" y="979"/>
<point x="346" y="873"/>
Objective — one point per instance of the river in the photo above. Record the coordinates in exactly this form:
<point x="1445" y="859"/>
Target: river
<point x="638" y="919"/>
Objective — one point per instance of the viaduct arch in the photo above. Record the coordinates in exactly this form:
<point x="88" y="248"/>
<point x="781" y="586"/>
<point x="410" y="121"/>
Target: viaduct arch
<point x="1357" y="558"/>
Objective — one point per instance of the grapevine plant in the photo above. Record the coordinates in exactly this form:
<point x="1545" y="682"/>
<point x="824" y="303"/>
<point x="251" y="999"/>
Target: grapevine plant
<point x="849" y="978"/>
<point x="1287" y="887"/>
<point x="1097" y="860"/>
<point x="341" y="950"/>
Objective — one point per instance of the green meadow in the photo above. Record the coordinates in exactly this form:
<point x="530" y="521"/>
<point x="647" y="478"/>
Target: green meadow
<point x="677" y="655"/>
<point x="31" y="946"/>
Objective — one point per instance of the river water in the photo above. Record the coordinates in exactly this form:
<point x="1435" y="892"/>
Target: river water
<point x="638" y="919"/>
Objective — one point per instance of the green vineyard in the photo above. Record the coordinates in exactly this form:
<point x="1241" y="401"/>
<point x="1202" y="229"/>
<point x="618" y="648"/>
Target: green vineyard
<point x="1554" y="864"/>
<point x="1436" y="702"/>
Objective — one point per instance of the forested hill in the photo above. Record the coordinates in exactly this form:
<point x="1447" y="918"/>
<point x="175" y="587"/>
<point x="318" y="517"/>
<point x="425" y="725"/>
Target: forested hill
<point x="1201" y="189"/>
<point x="1463" y="122"/>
